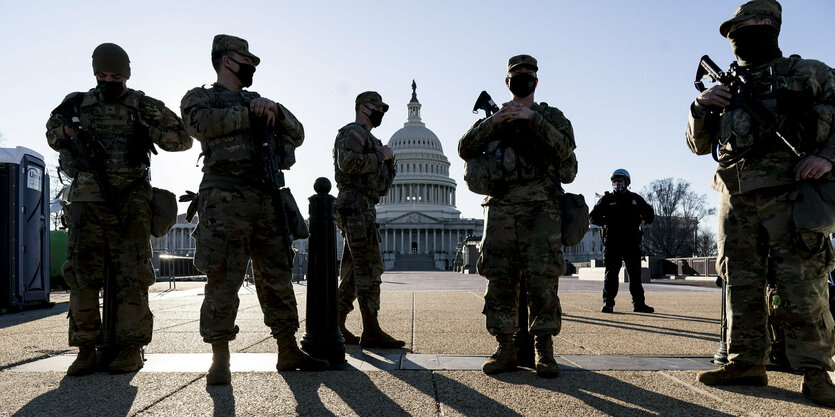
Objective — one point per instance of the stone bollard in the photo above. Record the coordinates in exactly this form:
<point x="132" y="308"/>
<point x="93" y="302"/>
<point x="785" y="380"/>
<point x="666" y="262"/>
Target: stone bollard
<point x="322" y="338"/>
<point x="522" y="339"/>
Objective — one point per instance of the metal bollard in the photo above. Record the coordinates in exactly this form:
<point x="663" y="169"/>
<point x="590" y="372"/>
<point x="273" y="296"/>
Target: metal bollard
<point x="522" y="339"/>
<point x="322" y="338"/>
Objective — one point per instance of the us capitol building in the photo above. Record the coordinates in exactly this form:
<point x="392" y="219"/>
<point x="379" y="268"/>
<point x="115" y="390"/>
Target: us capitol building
<point x="419" y="224"/>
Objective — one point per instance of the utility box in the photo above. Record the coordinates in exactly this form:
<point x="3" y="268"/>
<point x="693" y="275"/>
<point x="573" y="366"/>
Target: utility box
<point x="24" y="229"/>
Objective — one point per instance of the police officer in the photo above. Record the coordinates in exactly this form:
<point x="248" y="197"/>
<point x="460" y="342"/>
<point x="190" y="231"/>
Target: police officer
<point x="522" y="234"/>
<point x="364" y="171"/>
<point x="105" y="137"/>
<point x="240" y="218"/>
<point x="757" y="177"/>
<point x="620" y="214"/>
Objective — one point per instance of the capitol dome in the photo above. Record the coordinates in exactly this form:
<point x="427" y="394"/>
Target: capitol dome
<point x="420" y="227"/>
<point x="422" y="181"/>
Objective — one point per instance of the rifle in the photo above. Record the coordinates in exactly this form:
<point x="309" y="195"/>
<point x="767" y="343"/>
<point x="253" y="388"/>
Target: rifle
<point x="486" y="103"/>
<point x="271" y="176"/>
<point x="739" y="83"/>
<point x="86" y="147"/>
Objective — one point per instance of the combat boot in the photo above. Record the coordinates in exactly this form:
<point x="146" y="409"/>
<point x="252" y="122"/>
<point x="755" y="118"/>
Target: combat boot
<point x="129" y="359"/>
<point x="504" y="360"/>
<point x="350" y="338"/>
<point x="818" y="387"/>
<point x="374" y="337"/>
<point x="643" y="308"/>
<point x="85" y="362"/>
<point x="290" y="357"/>
<point x="219" y="372"/>
<point x="734" y="373"/>
<point x="546" y="365"/>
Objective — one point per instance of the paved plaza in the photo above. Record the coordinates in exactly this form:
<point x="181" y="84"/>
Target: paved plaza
<point x="611" y="364"/>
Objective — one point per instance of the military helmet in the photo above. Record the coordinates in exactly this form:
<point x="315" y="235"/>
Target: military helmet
<point x="622" y="173"/>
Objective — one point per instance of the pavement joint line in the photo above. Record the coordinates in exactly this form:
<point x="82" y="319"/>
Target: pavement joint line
<point x="413" y="321"/>
<point x="254" y="344"/>
<point x="161" y="399"/>
<point x="175" y="325"/>
<point x="380" y="361"/>
<point x="703" y="392"/>
<point x="480" y="297"/>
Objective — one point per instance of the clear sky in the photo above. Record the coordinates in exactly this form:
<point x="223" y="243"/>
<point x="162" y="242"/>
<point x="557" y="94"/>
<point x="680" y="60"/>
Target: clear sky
<point x="621" y="71"/>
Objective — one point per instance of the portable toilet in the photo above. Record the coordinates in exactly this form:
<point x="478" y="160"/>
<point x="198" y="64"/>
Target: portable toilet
<point x="24" y="229"/>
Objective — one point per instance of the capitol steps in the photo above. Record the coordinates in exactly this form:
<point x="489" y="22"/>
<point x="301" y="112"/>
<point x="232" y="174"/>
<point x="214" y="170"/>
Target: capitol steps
<point x="414" y="262"/>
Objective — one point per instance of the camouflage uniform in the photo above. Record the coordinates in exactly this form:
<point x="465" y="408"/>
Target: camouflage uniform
<point x="237" y="215"/>
<point x="362" y="176"/>
<point x="522" y="229"/>
<point x="756" y="180"/>
<point x="116" y="233"/>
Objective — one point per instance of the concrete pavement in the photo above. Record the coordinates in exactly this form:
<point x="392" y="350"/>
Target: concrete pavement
<point x="613" y="364"/>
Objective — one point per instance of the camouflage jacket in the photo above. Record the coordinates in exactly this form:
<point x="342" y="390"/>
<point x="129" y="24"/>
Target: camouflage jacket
<point x="219" y="119"/>
<point x="357" y="164"/>
<point x="544" y="147"/>
<point x="118" y="128"/>
<point x="800" y="93"/>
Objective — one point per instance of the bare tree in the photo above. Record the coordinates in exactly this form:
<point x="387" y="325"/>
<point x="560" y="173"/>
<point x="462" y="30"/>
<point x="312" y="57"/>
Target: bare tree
<point x="678" y="212"/>
<point x="706" y="242"/>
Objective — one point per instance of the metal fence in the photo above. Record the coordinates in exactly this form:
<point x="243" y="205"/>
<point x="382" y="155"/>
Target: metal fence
<point x="177" y="267"/>
<point x="699" y="266"/>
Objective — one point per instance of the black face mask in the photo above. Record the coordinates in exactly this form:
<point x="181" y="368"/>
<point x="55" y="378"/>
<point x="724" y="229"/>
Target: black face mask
<point x="376" y="117"/>
<point x="522" y="85"/>
<point x="110" y="90"/>
<point x="244" y="73"/>
<point x="755" y="44"/>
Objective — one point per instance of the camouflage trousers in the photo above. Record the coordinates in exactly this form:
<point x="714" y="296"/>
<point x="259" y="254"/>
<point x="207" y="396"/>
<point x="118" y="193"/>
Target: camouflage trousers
<point x="361" y="266"/>
<point x="522" y="241"/>
<point x="234" y="226"/>
<point x="102" y="241"/>
<point x="756" y="232"/>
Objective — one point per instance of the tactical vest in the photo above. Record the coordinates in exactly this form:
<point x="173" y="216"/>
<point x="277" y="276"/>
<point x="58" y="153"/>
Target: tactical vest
<point x="513" y="158"/>
<point x="234" y="153"/>
<point x="372" y="184"/>
<point x="116" y="126"/>
<point x="740" y="134"/>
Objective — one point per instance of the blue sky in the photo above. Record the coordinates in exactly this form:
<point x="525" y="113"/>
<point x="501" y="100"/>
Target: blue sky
<point x="621" y="71"/>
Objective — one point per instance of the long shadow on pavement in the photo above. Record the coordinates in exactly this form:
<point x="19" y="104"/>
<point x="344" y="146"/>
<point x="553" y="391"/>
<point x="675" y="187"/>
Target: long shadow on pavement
<point x="462" y="398"/>
<point x="99" y="394"/>
<point x="711" y="337"/>
<point x="223" y="399"/>
<point x="25" y="316"/>
<point x="604" y="393"/>
<point x="354" y="388"/>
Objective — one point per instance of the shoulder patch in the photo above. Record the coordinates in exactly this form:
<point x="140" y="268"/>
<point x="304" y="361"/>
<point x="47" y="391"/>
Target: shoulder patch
<point x="358" y="136"/>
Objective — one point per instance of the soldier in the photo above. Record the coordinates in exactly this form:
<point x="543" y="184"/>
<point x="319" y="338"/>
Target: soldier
<point x="757" y="177"/>
<point x="364" y="171"/>
<point x="621" y="213"/>
<point x="240" y="218"/>
<point x="105" y="137"/>
<point x="522" y="234"/>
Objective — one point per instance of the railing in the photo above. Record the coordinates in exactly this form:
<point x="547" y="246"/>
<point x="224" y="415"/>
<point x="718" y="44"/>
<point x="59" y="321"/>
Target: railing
<point x="698" y="266"/>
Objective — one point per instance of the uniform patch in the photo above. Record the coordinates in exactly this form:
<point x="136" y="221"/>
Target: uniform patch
<point x="358" y="136"/>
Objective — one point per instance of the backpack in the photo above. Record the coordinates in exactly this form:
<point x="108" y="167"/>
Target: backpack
<point x="575" y="218"/>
